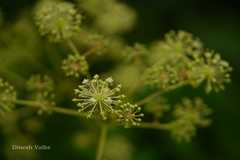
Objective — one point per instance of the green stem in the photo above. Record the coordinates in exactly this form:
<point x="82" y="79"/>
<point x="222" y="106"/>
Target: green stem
<point x="60" y="110"/>
<point x="155" y="125"/>
<point x="155" y="94"/>
<point x="102" y="141"/>
<point x="73" y="47"/>
<point x="148" y="98"/>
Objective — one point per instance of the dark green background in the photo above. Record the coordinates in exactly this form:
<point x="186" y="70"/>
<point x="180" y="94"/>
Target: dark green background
<point x="217" y="24"/>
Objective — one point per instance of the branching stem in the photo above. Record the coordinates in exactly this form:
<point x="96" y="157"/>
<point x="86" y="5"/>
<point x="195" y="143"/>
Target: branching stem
<point x="148" y="98"/>
<point x="60" y="110"/>
<point x="71" y="112"/>
<point x="157" y="93"/>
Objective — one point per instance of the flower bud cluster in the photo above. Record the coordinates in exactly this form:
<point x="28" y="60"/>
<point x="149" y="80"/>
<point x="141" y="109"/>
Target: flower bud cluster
<point x="129" y="115"/>
<point x="75" y="65"/>
<point x="41" y="90"/>
<point x="189" y="115"/>
<point x="57" y="20"/>
<point x="7" y="97"/>
<point x="210" y="68"/>
<point x="182" y="61"/>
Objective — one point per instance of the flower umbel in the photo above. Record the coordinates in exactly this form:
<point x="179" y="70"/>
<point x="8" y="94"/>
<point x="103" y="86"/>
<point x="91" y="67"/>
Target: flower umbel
<point x="129" y="115"/>
<point x="176" y="45"/>
<point x="38" y="83"/>
<point x="189" y="115"/>
<point x="98" y="97"/>
<point x="41" y="88"/>
<point x="75" y="65"/>
<point x="7" y="97"/>
<point x="57" y="20"/>
<point x="212" y="69"/>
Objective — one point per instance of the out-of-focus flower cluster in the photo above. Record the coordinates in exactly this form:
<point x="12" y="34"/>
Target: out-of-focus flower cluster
<point x="41" y="90"/>
<point x="189" y="115"/>
<point x="57" y="20"/>
<point x="75" y="65"/>
<point x="180" y="60"/>
<point x="110" y="16"/>
<point x="7" y="97"/>
<point x="210" y="68"/>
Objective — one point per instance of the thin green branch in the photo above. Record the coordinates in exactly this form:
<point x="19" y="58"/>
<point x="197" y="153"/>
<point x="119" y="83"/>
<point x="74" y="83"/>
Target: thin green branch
<point x="157" y="93"/>
<point x="71" y="112"/>
<point x="154" y="125"/>
<point x="73" y="47"/>
<point x="148" y="98"/>
<point x="60" y="110"/>
<point x="92" y="50"/>
<point x="102" y="141"/>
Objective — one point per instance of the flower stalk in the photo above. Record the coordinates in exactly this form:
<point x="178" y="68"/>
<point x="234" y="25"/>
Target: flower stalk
<point x="102" y="142"/>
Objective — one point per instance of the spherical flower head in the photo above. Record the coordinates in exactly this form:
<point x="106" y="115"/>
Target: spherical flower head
<point x="176" y="45"/>
<point x="212" y="69"/>
<point x="116" y="18"/>
<point x="75" y="65"/>
<point x="129" y="115"/>
<point x="183" y="42"/>
<point x="39" y="83"/>
<point x="7" y="97"/>
<point x="189" y="115"/>
<point x="57" y="20"/>
<point x="41" y="89"/>
<point x="98" y="97"/>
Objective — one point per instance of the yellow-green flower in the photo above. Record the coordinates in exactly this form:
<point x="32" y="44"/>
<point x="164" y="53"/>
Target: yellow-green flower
<point x="98" y="97"/>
